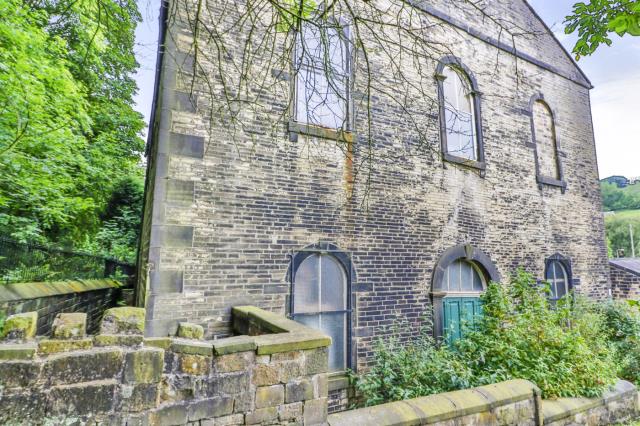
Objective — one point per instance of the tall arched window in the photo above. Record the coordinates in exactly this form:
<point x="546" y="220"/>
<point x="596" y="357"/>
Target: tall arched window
<point x="460" y="129"/>
<point x="545" y="143"/>
<point x="558" y="275"/>
<point x="459" y="279"/>
<point x="321" y="299"/>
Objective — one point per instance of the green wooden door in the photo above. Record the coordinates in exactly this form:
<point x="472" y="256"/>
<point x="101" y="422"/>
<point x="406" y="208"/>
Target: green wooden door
<point x="459" y="313"/>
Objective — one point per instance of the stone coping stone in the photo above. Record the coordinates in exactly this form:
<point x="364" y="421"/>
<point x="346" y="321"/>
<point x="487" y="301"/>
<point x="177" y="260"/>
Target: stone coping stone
<point x="24" y="291"/>
<point x="281" y="334"/>
<point x="117" y="340"/>
<point x="229" y="345"/>
<point x="191" y="347"/>
<point x="52" y="346"/>
<point x="287" y="342"/>
<point x="440" y="407"/>
<point x="158" y="342"/>
<point x="17" y="351"/>
<point x="561" y="408"/>
<point x="123" y="320"/>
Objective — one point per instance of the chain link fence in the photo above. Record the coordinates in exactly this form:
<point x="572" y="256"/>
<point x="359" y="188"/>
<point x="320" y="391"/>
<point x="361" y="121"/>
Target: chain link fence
<point x="20" y="262"/>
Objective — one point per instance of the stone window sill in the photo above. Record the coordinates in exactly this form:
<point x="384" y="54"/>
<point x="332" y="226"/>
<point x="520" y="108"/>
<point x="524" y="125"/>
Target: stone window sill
<point x="544" y="180"/>
<point x="296" y="128"/>
<point x="480" y="165"/>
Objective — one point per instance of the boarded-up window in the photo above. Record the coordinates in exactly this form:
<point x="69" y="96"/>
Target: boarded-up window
<point x="545" y="140"/>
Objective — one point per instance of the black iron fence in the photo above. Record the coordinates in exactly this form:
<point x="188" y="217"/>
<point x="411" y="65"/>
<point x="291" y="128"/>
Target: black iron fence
<point x="20" y="262"/>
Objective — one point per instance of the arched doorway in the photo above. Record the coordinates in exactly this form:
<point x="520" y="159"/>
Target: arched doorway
<point x="461" y="276"/>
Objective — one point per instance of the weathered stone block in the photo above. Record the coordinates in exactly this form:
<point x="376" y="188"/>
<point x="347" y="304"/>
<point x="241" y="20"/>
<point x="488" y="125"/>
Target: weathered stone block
<point x="233" y="362"/>
<point x="233" y="344"/>
<point x="123" y="320"/>
<point x="315" y="411"/>
<point x="144" y="365"/>
<point x="20" y="326"/>
<point x="269" y="396"/>
<point x="191" y="347"/>
<point x="169" y="415"/>
<point x="70" y="325"/>
<point x="51" y="346"/>
<point x="264" y="375"/>
<point x="188" y="330"/>
<point x="158" y="342"/>
<point x="135" y="398"/>
<point x="244" y="402"/>
<point x="231" y="383"/>
<point x="84" y="366"/>
<point x="290" y="412"/>
<point x="18" y="373"/>
<point x="316" y="361"/>
<point x="117" y="340"/>
<point x="26" y="407"/>
<point x="194" y="364"/>
<point x="14" y="351"/>
<point x="81" y="399"/>
<point x="320" y="385"/>
<point x="231" y="420"/>
<point x="299" y="390"/>
<point x="263" y="415"/>
<point x="210" y="408"/>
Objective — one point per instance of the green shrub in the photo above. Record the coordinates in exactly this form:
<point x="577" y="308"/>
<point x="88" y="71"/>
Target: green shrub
<point x="404" y="370"/>
<point x="622" y="329"/>
<point x="563" y="349"/>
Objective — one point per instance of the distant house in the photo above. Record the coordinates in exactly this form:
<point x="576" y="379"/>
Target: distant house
<point x="619" y="181"/>
<point x="246" y="220"/>
<point x="625" y="278"/>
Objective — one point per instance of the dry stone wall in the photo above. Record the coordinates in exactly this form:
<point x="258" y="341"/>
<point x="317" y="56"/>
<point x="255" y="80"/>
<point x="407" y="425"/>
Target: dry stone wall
<point x="118" y="377"/>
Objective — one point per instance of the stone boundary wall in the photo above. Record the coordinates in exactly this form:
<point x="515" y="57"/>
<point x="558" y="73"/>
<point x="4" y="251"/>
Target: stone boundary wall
<point x="514" y="402"/>
<point x="49" y="299"/>
<point x="275" y="375"/>
<point x="625" y="282"/>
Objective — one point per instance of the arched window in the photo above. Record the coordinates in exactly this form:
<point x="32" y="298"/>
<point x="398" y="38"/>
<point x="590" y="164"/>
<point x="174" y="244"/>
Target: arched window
<point x="460" y="129"/>
<point x="321" y="299"/>
<point x="558" y="275"/>
<point x="459" y="279"/>
<point x="545" y="143"/>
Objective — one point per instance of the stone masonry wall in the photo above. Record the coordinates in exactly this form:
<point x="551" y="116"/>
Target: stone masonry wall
<point x="118" y="377"/>
<point x="514" y="402"/>
<point x="625" y="282"/>
<point x="227" y="211"/>
<point x="92" y="297"/>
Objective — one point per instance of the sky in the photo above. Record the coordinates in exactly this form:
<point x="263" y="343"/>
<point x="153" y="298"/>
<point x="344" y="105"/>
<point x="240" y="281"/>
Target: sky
<point x="614" y="72"/>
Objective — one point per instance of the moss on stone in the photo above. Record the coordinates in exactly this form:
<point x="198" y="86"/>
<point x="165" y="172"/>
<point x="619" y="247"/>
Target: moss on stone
<point x="158" y="342"/>
<point x="123" y="320"/>
<point x="20" y="326"/>
<point x="70" y="325"/>
<point x="17" y="351"/>
<point x="230" y="345"/>
<point x="51" y="346"/>
<point x="187" y="330"/>
<point x="117" y="340"/>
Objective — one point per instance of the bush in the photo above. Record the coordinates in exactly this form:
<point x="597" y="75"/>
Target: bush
<point x="622" y="329"/>
<point x="563" y="349"/>
<point x="404" y="370"/>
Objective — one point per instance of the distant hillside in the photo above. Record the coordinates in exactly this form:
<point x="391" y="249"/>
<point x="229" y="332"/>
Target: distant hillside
<point x="620" y="193"/>
<point x="621" y="203"/>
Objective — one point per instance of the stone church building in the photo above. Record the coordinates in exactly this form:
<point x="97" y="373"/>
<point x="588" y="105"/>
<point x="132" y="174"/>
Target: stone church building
<point x="348" y="209"/>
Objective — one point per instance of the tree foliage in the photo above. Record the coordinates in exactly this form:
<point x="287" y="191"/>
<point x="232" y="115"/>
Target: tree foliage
<point x="596" y="20"/>
<point x="68" y="130"/>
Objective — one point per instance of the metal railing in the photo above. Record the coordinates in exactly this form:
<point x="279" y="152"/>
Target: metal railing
<point x="20" y="262"/>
